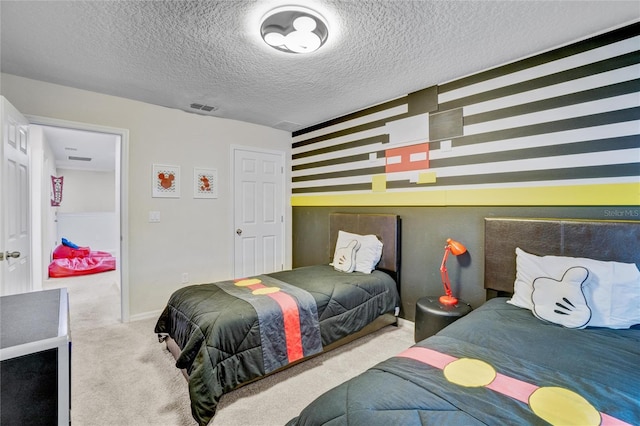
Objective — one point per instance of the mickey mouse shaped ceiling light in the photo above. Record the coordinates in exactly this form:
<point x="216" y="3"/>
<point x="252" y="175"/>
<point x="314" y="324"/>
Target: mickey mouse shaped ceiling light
<point x="294" y="29"/>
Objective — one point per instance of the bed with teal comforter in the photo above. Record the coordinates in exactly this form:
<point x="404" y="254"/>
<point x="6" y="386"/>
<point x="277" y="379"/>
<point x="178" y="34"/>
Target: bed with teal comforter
<point x="232" y="332"/>
<point x="499" y="365"/>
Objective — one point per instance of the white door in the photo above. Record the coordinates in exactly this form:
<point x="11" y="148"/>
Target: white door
<point x="258" y="192"/>
<point x="15" y="240"/>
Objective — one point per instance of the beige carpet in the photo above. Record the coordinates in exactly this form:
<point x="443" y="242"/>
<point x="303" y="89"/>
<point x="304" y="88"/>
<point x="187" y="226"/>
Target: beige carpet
<point x="94" y="300"/>
<point x="122" y="375"/>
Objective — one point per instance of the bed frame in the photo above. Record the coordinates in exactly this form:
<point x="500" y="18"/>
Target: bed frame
<point x="387" y="228"/>
<point x="595" y="239"/>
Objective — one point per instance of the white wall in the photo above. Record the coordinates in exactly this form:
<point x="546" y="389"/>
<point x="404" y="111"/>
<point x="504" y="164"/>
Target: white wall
<point x="194" y="235"/>
<point x="87" y="191"/>
<point x="86" y="215"/>
<point x="96" y="230"/>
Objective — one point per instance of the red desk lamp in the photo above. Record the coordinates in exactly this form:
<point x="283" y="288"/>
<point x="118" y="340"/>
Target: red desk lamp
<point x="457" y="249"/>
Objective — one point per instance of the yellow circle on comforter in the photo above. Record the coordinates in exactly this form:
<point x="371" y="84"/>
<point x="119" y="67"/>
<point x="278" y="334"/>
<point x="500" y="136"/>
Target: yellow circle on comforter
<point x="560" y="406"/>
<point x="469" y="372"/>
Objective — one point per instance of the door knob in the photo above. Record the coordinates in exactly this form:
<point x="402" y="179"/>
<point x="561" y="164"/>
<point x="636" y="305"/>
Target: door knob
<point x="239" y="231"/>
<point x="14" y="254"/>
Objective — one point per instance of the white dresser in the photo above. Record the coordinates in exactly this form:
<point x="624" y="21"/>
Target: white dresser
<point x="35" y="358"/>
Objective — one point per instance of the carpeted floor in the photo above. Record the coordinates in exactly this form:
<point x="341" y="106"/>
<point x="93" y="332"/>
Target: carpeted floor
<point x="122" y="375"/>
<point x="94" y="300"/>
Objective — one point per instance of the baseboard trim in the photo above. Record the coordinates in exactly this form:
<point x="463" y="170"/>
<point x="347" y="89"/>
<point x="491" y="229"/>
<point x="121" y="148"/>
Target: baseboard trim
<point x="145" y="315"/>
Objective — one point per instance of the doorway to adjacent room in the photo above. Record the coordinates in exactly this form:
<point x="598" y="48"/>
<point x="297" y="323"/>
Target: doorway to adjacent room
<point x="96" y="206"/>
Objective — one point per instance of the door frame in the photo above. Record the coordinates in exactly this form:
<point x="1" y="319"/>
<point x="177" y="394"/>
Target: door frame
<point x="285" y="196"/>
<point x="122" y="204"/>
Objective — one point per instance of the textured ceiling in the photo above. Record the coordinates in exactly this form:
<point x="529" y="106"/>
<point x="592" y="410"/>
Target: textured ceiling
<point x="174" y="53"/>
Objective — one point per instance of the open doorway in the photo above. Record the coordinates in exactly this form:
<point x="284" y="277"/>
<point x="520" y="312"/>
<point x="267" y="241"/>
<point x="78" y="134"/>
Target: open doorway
<point x="88" y="215"/>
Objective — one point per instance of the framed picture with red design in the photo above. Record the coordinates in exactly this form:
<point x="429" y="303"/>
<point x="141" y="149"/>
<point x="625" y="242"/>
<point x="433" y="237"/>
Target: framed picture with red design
<point x="165" y="181"/>
<point x="205" y="183"/>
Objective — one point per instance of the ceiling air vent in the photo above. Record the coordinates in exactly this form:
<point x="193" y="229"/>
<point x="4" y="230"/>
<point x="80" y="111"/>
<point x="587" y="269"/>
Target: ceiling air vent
<point x="205" y="108"/>
<point x="287" y="125"/>
<point x="71" y="157"/>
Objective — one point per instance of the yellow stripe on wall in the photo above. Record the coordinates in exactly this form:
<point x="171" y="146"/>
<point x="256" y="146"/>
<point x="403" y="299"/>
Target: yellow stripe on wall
<point x="621" y="194"/>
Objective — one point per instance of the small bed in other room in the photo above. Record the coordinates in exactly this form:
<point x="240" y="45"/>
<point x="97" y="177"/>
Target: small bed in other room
<point x="564" y="349"/>
<point x="227" y="334"/>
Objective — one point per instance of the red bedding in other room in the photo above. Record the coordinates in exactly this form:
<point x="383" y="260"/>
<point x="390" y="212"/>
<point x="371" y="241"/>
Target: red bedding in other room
<point x="72" y="260"/>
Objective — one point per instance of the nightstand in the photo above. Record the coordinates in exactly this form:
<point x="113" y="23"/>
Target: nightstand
<point x="432" y="316"/>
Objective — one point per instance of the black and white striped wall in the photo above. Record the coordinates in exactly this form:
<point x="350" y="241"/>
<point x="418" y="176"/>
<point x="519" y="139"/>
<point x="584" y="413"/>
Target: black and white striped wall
<point x="558" y="128"/>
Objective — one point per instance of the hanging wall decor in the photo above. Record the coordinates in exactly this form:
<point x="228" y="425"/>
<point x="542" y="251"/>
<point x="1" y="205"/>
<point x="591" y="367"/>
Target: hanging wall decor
<point x="205" y="183"/>
<point x="166" y="181"/>
<point x="56" y="194"/>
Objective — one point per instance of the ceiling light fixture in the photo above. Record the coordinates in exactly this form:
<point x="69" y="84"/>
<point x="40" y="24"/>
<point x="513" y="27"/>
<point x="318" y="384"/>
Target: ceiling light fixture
<point x="294" y="29"/>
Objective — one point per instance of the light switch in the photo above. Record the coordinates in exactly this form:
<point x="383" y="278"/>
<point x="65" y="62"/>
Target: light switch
<point x="154" y="217"/>
<point x="445" y="145"/>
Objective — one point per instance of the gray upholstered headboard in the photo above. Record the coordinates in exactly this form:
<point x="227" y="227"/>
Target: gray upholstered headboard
<point x="385" y="226"/>
<point x="594" y="239"/>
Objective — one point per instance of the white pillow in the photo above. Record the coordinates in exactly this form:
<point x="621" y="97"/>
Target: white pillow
<point x="369" y="253"/>
<point x="344" y="258"/>
<point x="612" y="289"/>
